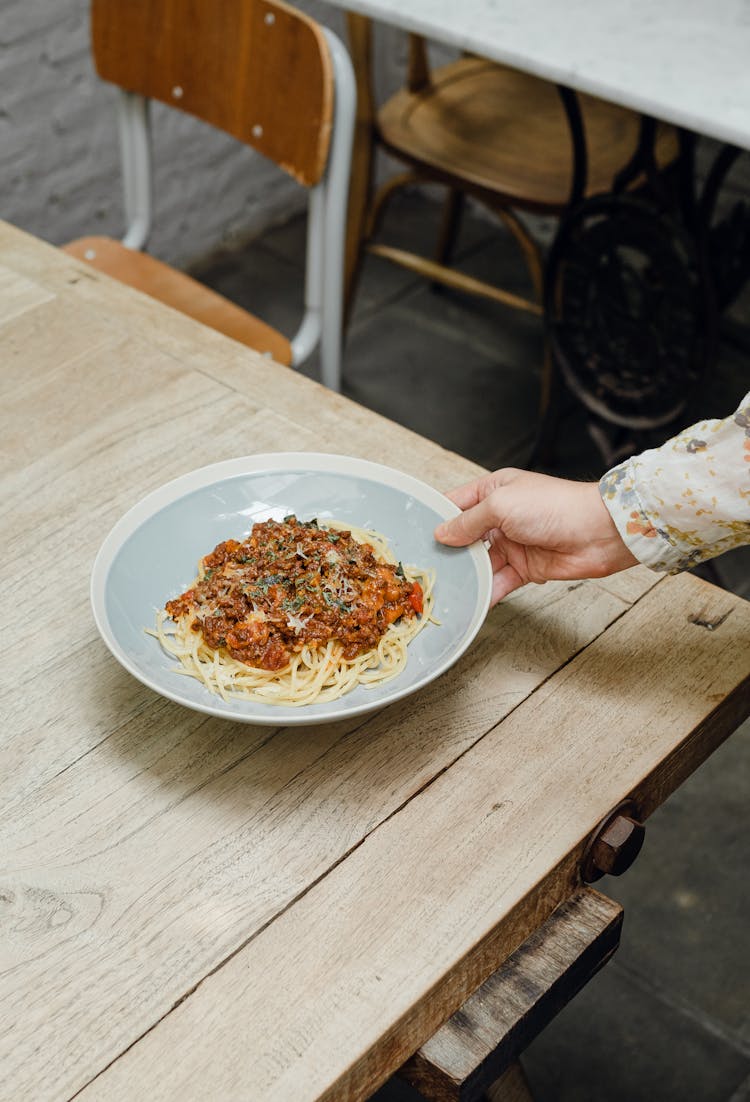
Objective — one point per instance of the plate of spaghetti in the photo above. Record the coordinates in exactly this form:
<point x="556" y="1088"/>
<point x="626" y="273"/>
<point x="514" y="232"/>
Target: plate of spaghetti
<point x="289" y="588"/>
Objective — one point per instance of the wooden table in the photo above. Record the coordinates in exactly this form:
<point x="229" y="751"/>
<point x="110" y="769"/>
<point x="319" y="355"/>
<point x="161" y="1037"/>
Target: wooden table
<point x="200" y="910"/>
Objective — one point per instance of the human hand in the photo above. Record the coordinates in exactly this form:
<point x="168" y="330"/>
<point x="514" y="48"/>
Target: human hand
<point x="539" y="528"/>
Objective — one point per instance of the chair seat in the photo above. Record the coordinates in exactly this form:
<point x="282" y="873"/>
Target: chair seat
<point x="180" y="291"/>
<point x="505" y="133"/>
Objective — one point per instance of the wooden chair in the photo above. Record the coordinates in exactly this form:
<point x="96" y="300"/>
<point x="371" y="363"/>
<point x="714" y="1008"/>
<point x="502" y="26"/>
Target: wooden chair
<point x="508" y="139"/>
<point x="474" y="1057"/>
<point x="271" y="77"/>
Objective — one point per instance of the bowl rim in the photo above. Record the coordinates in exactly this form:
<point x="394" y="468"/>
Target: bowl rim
<point x="272" y="463"/>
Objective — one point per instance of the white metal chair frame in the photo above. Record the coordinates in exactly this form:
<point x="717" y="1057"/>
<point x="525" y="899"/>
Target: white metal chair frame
<point x="322" y="321"/>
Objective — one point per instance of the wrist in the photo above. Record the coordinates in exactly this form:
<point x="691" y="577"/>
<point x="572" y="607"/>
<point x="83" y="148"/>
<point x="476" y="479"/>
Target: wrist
<point x="614" y="552"/>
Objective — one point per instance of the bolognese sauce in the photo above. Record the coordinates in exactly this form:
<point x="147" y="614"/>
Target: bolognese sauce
<point x="291" y="585"/>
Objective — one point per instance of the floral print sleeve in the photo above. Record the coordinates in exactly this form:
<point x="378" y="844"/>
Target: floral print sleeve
<point x="688" y="500"/>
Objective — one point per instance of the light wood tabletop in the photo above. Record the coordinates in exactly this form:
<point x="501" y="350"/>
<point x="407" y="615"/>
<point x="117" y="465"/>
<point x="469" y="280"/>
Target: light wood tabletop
<point x="196" y="909"/>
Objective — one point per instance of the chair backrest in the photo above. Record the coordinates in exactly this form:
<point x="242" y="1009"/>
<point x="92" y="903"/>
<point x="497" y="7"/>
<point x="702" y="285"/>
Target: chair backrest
<point x="257" y="69"/>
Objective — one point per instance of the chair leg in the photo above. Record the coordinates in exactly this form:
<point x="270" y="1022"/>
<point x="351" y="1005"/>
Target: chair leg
<point x="532" y="254"/>
<point x="332" y="264"/>
<point x="512" y="1086"/>
<point x="360" y="183"/>
<point x="359" y="201"/>
<point x="449" y="225"/>
<point x="383" y="194"/>
<point x="551" y="397"/>
<point x="364" y="210"/>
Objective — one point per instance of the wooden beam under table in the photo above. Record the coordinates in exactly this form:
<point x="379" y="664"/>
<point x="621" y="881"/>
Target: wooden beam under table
<point x="481" y="1042"/>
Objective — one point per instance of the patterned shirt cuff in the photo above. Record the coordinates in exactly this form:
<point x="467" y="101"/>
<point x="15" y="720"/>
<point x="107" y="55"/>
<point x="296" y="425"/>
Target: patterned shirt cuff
<point x="650" y="544"/>
<point x="688" y="500"/>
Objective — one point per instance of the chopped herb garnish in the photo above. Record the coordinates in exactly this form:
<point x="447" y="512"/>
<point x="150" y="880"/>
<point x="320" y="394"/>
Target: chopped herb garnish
<point x="271" y="579"/>
<point x="288" y="582"/>
<point x="335" y="602"/>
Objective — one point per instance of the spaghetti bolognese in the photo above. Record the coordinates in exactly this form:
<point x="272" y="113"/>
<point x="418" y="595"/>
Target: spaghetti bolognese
<point x="297" y="612"/>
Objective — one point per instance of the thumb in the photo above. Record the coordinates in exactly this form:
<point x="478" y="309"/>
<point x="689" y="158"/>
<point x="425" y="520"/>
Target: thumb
<point x="468" y="526"/>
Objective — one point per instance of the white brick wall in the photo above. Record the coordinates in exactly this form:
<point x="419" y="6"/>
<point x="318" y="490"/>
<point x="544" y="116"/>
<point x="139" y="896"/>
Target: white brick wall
<point x="59" y="157"/>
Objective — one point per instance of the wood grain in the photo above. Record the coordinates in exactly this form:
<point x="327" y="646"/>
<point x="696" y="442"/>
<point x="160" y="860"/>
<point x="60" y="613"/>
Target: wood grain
<point x="341" y="425"/>
<point x="181" y="292"/>
<point x="18" y="294"/>
<point x="485" y="852"/>
<point x="258" y="69"/>
<point x="500" y="132"/>
<point x="214" y="808"/>
<point x="503" y="1016"/>
<point x="276" y="913"/>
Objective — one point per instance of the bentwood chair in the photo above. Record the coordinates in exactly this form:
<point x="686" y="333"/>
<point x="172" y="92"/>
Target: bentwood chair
<point x="512" y="141"/>
<point x="273" y="78"/>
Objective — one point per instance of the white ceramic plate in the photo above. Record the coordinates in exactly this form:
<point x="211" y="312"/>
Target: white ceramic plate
<point x="152" y="553"/>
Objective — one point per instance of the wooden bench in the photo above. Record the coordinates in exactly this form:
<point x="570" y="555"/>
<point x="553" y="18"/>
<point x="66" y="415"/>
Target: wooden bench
<point x="475" y="1054"/>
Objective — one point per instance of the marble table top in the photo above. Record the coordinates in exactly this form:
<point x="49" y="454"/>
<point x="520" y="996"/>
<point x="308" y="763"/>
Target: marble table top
<point x="684" y="61"/>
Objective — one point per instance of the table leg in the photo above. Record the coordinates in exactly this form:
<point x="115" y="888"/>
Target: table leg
<point x="726" y="242"/>
<point x="512" y="1086"/>
<point x="475" y="1054"/>
<point x="629" y="313"/>
<point x="635" y="284"/>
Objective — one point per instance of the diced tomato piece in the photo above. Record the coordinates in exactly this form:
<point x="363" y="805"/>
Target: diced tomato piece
<point x="416" y="598"/>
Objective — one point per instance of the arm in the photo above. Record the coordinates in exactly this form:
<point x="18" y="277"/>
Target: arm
<point x="688" y="500"/>
<point x="669" y="508"/>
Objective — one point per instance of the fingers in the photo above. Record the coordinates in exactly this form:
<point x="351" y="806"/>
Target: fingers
<point x="504" y="582"/>
<point x="481" y="514"/>
<point x="466" y="496"/>
<point x="469" y="526"/>
<point x="471" y="493"/>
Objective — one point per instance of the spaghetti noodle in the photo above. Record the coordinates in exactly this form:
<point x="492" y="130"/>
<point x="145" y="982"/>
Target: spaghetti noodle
<point x="296" y="613"/>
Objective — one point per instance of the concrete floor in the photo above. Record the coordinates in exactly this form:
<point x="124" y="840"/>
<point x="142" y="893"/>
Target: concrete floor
<point x="668" y="1020"/>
